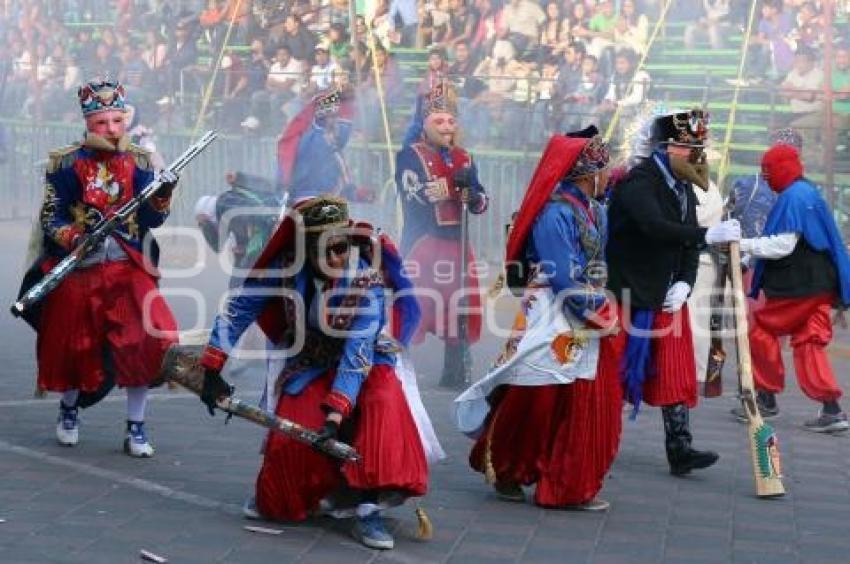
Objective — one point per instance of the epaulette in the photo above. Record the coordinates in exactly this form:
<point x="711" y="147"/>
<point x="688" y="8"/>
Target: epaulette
<point x="141" y="155"/>
<point x="62" y="157"/>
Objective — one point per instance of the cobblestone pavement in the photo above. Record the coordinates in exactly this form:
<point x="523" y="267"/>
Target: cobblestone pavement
<point x="92" y="504"/>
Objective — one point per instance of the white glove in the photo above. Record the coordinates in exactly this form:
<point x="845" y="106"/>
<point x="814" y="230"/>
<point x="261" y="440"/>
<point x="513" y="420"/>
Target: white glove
<point x="676" y="297"/>
<point x="723" y="232"/>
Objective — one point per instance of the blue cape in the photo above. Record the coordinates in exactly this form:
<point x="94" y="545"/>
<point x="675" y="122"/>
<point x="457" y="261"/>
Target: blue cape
<point x="801" y="209"/>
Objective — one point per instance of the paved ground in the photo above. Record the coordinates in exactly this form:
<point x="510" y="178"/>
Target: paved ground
<point x="92" y="504"/>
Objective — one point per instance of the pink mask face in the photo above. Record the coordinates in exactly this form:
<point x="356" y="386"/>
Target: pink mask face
<point x="109" y="124"/>
<point x="441" y="127"/>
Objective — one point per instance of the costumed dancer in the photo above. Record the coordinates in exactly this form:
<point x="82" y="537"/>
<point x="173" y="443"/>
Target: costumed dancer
<point x="106" y="322"/>
<point x="653" y="253"/>
<point x="310" y="151"/>
<point x="802" y="266"/>
<point x="751" y="200"/>
<point x="542" y="415"/>
<point x="708" y="290"/>
<point x="342" y="378"/>
<point x="245" y="215"/>
<point x="437" y="183"/>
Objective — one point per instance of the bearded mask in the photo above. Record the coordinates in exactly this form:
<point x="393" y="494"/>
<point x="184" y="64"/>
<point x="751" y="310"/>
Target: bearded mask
<point x="441" y="129"/>
<point x="692" y="167"/>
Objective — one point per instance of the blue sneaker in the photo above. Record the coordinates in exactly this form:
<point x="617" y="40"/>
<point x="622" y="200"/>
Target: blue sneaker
<point x="136" y="444"/>
<point x="67" y="426"/>
<point x="371" y="532"/>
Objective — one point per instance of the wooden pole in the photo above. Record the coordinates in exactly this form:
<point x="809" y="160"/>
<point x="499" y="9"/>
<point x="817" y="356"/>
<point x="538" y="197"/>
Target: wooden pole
<point x="829" y="96"/>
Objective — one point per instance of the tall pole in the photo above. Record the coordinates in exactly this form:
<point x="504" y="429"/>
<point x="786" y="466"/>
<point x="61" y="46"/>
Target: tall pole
<point x="829" y="130"/>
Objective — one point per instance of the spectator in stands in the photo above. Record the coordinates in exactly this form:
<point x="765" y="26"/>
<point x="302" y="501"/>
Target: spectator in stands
<point x="771" y="53"/>
<point x="322" y="73"/>
<point x="490" y="18"/>
<point x="391" y="82"/>
<point x="569" y="73"/>
<point x="300" y="40"/>
<point x="555" y="33"/>
<point x="809" y="29"/>
<point x="153" y="54"/>
<point x="381" y="25"/>
<point x="438" y="68"/>
<point x="714" y="22"/>
<point x="628" y="89"/>
<point x="470" y="114"/>
<point x="105" y="62"/>
<point x="234" y="91"/>
<point x="280" y="99"/>
<point x="601" y="27"/>
<point x="632" y="29"/>
<point x="496" y="72"/>
<point x="404" y="20"/>
<point x="359" y="64"/>
<point x="85" y="47"/>
<point x="462" y="23"/>
<point x="338" y="13"/>
<point x="437" y="22"/>
<point x="802" y="88"/>
<point x="579" y="104"/>
<point x="338" y="44"/>
<point x="462" y="70"/>
<point x="841" y="96"/>
<point x="131" y="64"/>
<point x="523" y="19"/>
<point x="181" y="58"/>
<point x="580" y="23"/>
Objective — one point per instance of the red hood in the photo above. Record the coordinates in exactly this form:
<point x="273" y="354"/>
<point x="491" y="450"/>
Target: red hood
<point x="559" y="157"/>
<point x="781" y="166"/>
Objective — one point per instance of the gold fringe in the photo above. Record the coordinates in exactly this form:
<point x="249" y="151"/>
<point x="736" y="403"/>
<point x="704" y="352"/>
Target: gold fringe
<point x="489" y="470"/>
<point x="425" y="530"/>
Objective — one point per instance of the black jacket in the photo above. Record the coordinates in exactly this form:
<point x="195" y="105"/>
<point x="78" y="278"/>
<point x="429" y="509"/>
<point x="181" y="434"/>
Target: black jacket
<point x="650" y="246"/>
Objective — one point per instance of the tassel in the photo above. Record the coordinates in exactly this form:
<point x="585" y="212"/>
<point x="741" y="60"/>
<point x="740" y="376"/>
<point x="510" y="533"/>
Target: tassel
<point x="497" y="286"/>
<point x="425" y="530"/>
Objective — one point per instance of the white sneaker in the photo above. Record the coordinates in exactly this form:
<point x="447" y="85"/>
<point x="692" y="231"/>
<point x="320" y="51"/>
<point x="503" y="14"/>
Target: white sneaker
<point x="136" y="443"/>
<point x="250" y="511"/>
<point x="67" y="426"/>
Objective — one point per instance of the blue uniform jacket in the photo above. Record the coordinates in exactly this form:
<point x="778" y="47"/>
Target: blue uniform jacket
<point x="563" y="244"/>
<point x="363" y="347"/>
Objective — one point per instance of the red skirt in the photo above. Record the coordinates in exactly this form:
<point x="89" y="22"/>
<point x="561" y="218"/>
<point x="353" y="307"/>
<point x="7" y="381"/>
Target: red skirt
<point x="672" y="374"/>
<point x="114" y="307"/>
<point x="294" y="477"/>
<point x="563" y="437"/>
<point x="433" y="265"/>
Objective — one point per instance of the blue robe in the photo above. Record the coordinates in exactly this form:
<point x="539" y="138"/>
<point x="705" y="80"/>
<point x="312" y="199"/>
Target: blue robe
<point x="801" y="209"/>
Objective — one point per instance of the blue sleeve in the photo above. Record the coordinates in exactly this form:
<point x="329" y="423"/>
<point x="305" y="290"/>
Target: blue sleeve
<point x="359" y="349"/>
<point x="556" y="241"/>
<point x="154" y="212"/>
<point x="61" y="191"/>
<point x="241" y="310"/>
<point x="478" y="197"/>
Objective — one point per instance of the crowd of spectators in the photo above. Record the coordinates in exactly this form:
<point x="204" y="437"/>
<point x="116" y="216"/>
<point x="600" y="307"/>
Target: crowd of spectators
<point x="532" y="66"/>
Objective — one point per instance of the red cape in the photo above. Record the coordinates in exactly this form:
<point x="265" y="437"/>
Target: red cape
<point x="287" y="145"/>
<point x="558" y="158"/>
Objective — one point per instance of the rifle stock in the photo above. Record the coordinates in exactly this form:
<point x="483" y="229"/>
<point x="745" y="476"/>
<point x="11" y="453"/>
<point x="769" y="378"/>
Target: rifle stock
<point x="767" y="468"/>
<point x="181" y="365"/>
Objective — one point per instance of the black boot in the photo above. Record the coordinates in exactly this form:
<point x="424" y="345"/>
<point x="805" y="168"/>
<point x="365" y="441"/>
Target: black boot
<point x="677" y="433"/>
<point x="457" y="367"/>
